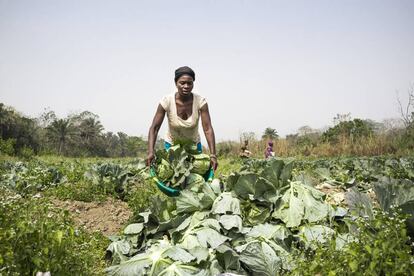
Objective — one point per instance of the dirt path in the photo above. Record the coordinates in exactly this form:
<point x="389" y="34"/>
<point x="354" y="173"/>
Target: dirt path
<point x="107" y="217"/>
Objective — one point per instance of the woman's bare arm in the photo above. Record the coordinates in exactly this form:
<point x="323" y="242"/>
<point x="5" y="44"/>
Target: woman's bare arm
<point x="153" y="132"/>
<point x="209" y="133"/>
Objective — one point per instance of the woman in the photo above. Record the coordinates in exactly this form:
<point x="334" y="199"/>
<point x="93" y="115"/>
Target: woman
<point x="183" y="109"/>
<point x="269" y="150"/>
<point x="244" y="150"/>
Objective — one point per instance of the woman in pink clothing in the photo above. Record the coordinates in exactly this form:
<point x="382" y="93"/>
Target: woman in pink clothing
<point x="183" y="109"/>
<point x="269" y="150"/>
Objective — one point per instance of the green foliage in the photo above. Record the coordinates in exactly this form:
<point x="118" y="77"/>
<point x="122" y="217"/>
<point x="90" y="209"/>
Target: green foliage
<point x="212" y="229"/>
<point x="21" y="129"/>
<point x="362" y="172"/>
<point x="60" y="131"/>
<point x="29" y="177"/>
<point x="224" y="149"/>
<point x="84" y="181"/>
<point x="263" y="218"/>
<point x="35" y="237"/>
<point x="348" y="129"/>
<point x="164" y="170"/>
<point x="270" y="133"/>
<point x="303" y="143"/>
<point x="227" y="166"/>
<point x="201" y="164"/>
<point x="7" y="146"/>
<point x="80" y="191"/>
<point x="26" y="153"/>
<point x="139" y="195"/>
<point x="380" y="247"/>
<point x="79" y="134"/>
<point x="174" y="166"/>
<point x="115" y="179"/>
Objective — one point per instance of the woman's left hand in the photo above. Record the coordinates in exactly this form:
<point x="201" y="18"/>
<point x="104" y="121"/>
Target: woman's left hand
<point x="213" y="162"/>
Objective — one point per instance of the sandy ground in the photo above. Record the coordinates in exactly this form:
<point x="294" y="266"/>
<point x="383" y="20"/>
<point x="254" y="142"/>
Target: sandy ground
<point x="107" y="217"/>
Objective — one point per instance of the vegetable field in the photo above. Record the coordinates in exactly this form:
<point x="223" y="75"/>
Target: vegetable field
<point x="336" y="216"/>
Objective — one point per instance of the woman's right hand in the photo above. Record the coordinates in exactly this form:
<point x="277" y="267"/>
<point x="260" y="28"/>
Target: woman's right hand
<point x="150" y="158"/>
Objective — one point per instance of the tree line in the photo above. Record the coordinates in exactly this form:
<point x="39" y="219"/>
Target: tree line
<point x="82" y="134"/>
<point x="346" y="136"/>
<point x="79" y="134"/>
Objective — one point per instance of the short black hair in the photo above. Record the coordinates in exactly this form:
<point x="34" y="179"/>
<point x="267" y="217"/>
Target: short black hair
<point x="184" y="70"/>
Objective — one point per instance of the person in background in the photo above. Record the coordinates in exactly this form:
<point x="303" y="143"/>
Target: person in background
<point x="269" y="150"/>
<point x="184" y="110"/>
<point x="244" y="150"/>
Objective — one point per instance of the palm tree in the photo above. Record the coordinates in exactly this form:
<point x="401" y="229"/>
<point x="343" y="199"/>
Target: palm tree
<point x="60" y="130"/>
<point x="270" y="133"/>
<point x="90" y="128"/>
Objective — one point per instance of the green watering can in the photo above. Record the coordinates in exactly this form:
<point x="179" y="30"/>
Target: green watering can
<point x="171" y="191"/>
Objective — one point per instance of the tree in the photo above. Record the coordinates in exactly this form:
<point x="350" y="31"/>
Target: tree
<point x="247" y="136"/>
<point x="407" y="112"/>
<point x="60" y="131"/>
<point x="305" y="130"/>
<point x="46" y="118"/>
<point x="348" y="129"/>
<point x="270" y="133"/>
<point x="407" y="115"/>
<point x="91" y="138"/>
<point x="339" y="118"/>
<point x="22" y="130"/>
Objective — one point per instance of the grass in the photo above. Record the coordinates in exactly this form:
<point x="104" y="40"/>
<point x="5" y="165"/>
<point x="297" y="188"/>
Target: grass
<point x="227" y="165"/>
<point x="80" y="191"/>
<point x="365" y="146"/>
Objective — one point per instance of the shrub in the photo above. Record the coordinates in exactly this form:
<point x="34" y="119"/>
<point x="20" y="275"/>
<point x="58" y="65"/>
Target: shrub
<point x="381" y="247"/>
<point x="7" y="146"/>
<point x="35" y="237"/>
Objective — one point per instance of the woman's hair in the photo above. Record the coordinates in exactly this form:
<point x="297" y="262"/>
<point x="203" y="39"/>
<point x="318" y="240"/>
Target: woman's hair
<point x="185" y="70"/>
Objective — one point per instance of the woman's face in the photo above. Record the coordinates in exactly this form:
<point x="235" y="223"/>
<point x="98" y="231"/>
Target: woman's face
<point x="185" y="85"/>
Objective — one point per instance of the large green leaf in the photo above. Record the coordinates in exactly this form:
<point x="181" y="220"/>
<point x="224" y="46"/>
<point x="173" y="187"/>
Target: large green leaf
<point x="208" y="196"/>
<point x="314" y="210"/>
<point x="301" y="202"/>
<point x="359" y="204"/>
<point x="269" y="231"/>
<point x="178" y="254"/>
<point x="200" y="253"/>
<point x="188" y="202"/>
<point x="313" y="234"/>
<point x="190" y="242"/>
<point x="162" y="208"/>
<point x="210" y="238"/>
<point x="245" y="185"/>
<point x="134" y="229"/>
<point x="260" y="258"/>
<point x="231" y="222"/>
<point x="137" y="265"/>
<point x="265" y="191"/>
<point x="291" y="210"/>
<point x="286" y="174"/>
<point x="393" y="192"/>
<point x="272" y="171"/>
<point x="228" y="258"/>
<point x="178" y="269"/>
<point x="226" y="204"/>
<point x="254" y="213"/>
<point x="119" y="251"/>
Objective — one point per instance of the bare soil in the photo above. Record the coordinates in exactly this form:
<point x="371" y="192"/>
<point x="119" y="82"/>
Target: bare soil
<point x="107" y="217"/>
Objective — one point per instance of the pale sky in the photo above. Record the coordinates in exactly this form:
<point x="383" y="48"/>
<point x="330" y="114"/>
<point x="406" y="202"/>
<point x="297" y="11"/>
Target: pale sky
<point x="279" y="64"/>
